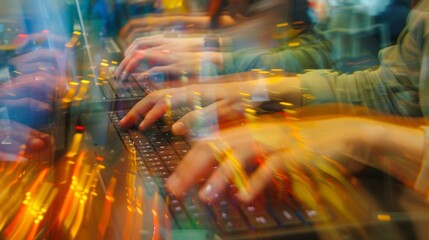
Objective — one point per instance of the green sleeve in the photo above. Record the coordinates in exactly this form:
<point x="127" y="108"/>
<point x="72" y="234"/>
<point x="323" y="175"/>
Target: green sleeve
<point x="399" y="86"/>
<point x="304" y="52"/>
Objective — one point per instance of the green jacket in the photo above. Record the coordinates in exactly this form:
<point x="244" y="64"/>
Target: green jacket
<point x="399" y="86"/>
<point x="308" y="50"/>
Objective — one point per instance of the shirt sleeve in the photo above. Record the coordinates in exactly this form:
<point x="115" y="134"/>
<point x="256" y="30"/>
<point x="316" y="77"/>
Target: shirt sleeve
<point x="306" y="51"/>
<point x="395" y="87"/>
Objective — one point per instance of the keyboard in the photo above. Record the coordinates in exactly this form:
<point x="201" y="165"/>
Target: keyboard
<point x="111" y="93"/>
<point x="115" y="89"/>
<point x="158" y="152"/>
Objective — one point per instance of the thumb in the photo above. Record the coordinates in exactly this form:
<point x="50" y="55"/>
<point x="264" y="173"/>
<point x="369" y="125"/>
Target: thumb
<point x="208" y="119"/>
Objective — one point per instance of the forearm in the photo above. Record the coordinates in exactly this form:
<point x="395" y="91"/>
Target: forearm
<point x="396" y="150"/>
<point x="281" y="89"/>
<point x="286" y="89"/>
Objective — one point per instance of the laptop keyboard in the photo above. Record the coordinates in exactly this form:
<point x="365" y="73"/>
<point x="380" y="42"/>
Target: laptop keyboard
<point x="114" y="89"/>
<point x="158" y="152"/>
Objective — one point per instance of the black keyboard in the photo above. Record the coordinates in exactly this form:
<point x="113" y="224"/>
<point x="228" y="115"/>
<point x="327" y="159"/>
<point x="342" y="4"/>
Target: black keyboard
<point x="130" y="88"/>
<point x="158" y="152"/>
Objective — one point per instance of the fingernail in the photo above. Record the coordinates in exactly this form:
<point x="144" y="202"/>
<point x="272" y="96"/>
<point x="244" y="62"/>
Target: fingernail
<point x="142" y="126"/>
<point x="35" y="142"/>
<point x="238" y="106"/>
<point x="121" y="122"/>
<point x="173" y="183"/>
<point x="243" y="195"/>
<point x="207" y="193"/>
<point x="144" y="76"/>
<point x="124" y="76"/>
<point x="13" y="158"/>
<point x="179" y="128"/>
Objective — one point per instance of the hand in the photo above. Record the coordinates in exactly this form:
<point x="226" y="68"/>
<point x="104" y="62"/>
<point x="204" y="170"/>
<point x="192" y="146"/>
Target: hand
<point x="250" y="156"/>
<point x="159" y="42"/>
<point x="52" y="61"/>
<point x="171" y="61"/>
<point x="146" y="22"/>
<point x="19" y="142"/>
<point x="172" y="23"/>
<point x="25" y="43"/>
<point x="28" y="111"/>
<point x="40" y="86"/>
<point x="226" y="97"/>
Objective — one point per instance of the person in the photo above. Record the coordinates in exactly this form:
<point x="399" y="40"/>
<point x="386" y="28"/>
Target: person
<point x="32" y="77"/>
<point x="398" y="87"/>
<point x="300" y="45"/>
<point x="19" y="142"/>
<point x="237" y="48"/>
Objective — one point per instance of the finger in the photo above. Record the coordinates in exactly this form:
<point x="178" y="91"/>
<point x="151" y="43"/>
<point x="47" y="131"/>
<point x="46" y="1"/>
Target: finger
<point x="36" y="105"/>
<point x="130" y="24"/>
<point x="133" y="47"/>
<point x="33" y="139"/>
<point x="25" y="103"/>
<point x="232" y="169"/>
<point x="9" y="157"/>
<point x="37" y="141"/>
<point x="170" y="72"/>
<point x="132" y="65"/>
<point x="131" y="36"/>
<point x="130" y="119"/>
<point x="214" y="116"/>
<point x="121" y="66"/>
<point x="138" y="22"/>
<point x="129" y="65"/>
<point x="197" y="163"/>
<point x="263" y="176"/>
<point x="140" y="109"/>
<point x="9" y="145"/>
<point x="142" y="43"/>
<point x="157" y="112"/>
<point x="38" y="55"/>
<point x="27" y="68"/>
<point x="154" y="106"/>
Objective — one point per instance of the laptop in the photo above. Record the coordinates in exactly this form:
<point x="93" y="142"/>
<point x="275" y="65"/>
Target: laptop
<point x="149" y="157"/>
<point x="152" y="155"/>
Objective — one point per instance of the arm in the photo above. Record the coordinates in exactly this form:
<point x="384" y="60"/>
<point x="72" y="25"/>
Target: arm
<point x="306" y="50"/>
<point x="162" y="21"/>
<point x="392" y="148"/>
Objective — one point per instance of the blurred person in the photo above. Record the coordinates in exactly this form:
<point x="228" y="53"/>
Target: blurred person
<point x="27" y="99"/>
<point x="33" y="76"/>
<point x="19" y="142"/>
<point x="200" y="20"/>
<point x="286" y="21"/>
<point x="53" y="61"/>
<point x="38" y="69"/>
<point x="300" y="45"/>
<point x="358" y="29"/>
<point x="398" y="87"/>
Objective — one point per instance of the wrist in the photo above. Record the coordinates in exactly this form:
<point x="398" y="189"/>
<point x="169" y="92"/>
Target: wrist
<point x="286" y="89"/>
<point x="395" y="149"/>
<point x="373" y="133"/>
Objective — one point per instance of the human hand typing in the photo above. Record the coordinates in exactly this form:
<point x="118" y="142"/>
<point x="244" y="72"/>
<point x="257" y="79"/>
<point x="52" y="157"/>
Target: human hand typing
<point x="18" y="142"/>
<point x="250" y="156"/>
<point x="166" y="61"/>
<point x="214" y="102"/>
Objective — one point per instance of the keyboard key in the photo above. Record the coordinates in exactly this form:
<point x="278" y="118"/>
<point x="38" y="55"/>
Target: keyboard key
<point x="166" y="152"/>
<point x="257" y="215"/>
<point x="261" y="221"/>
<point x="283" y="213"/>
<point x="313" y="216"/>
<point x="232" y="225"/>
